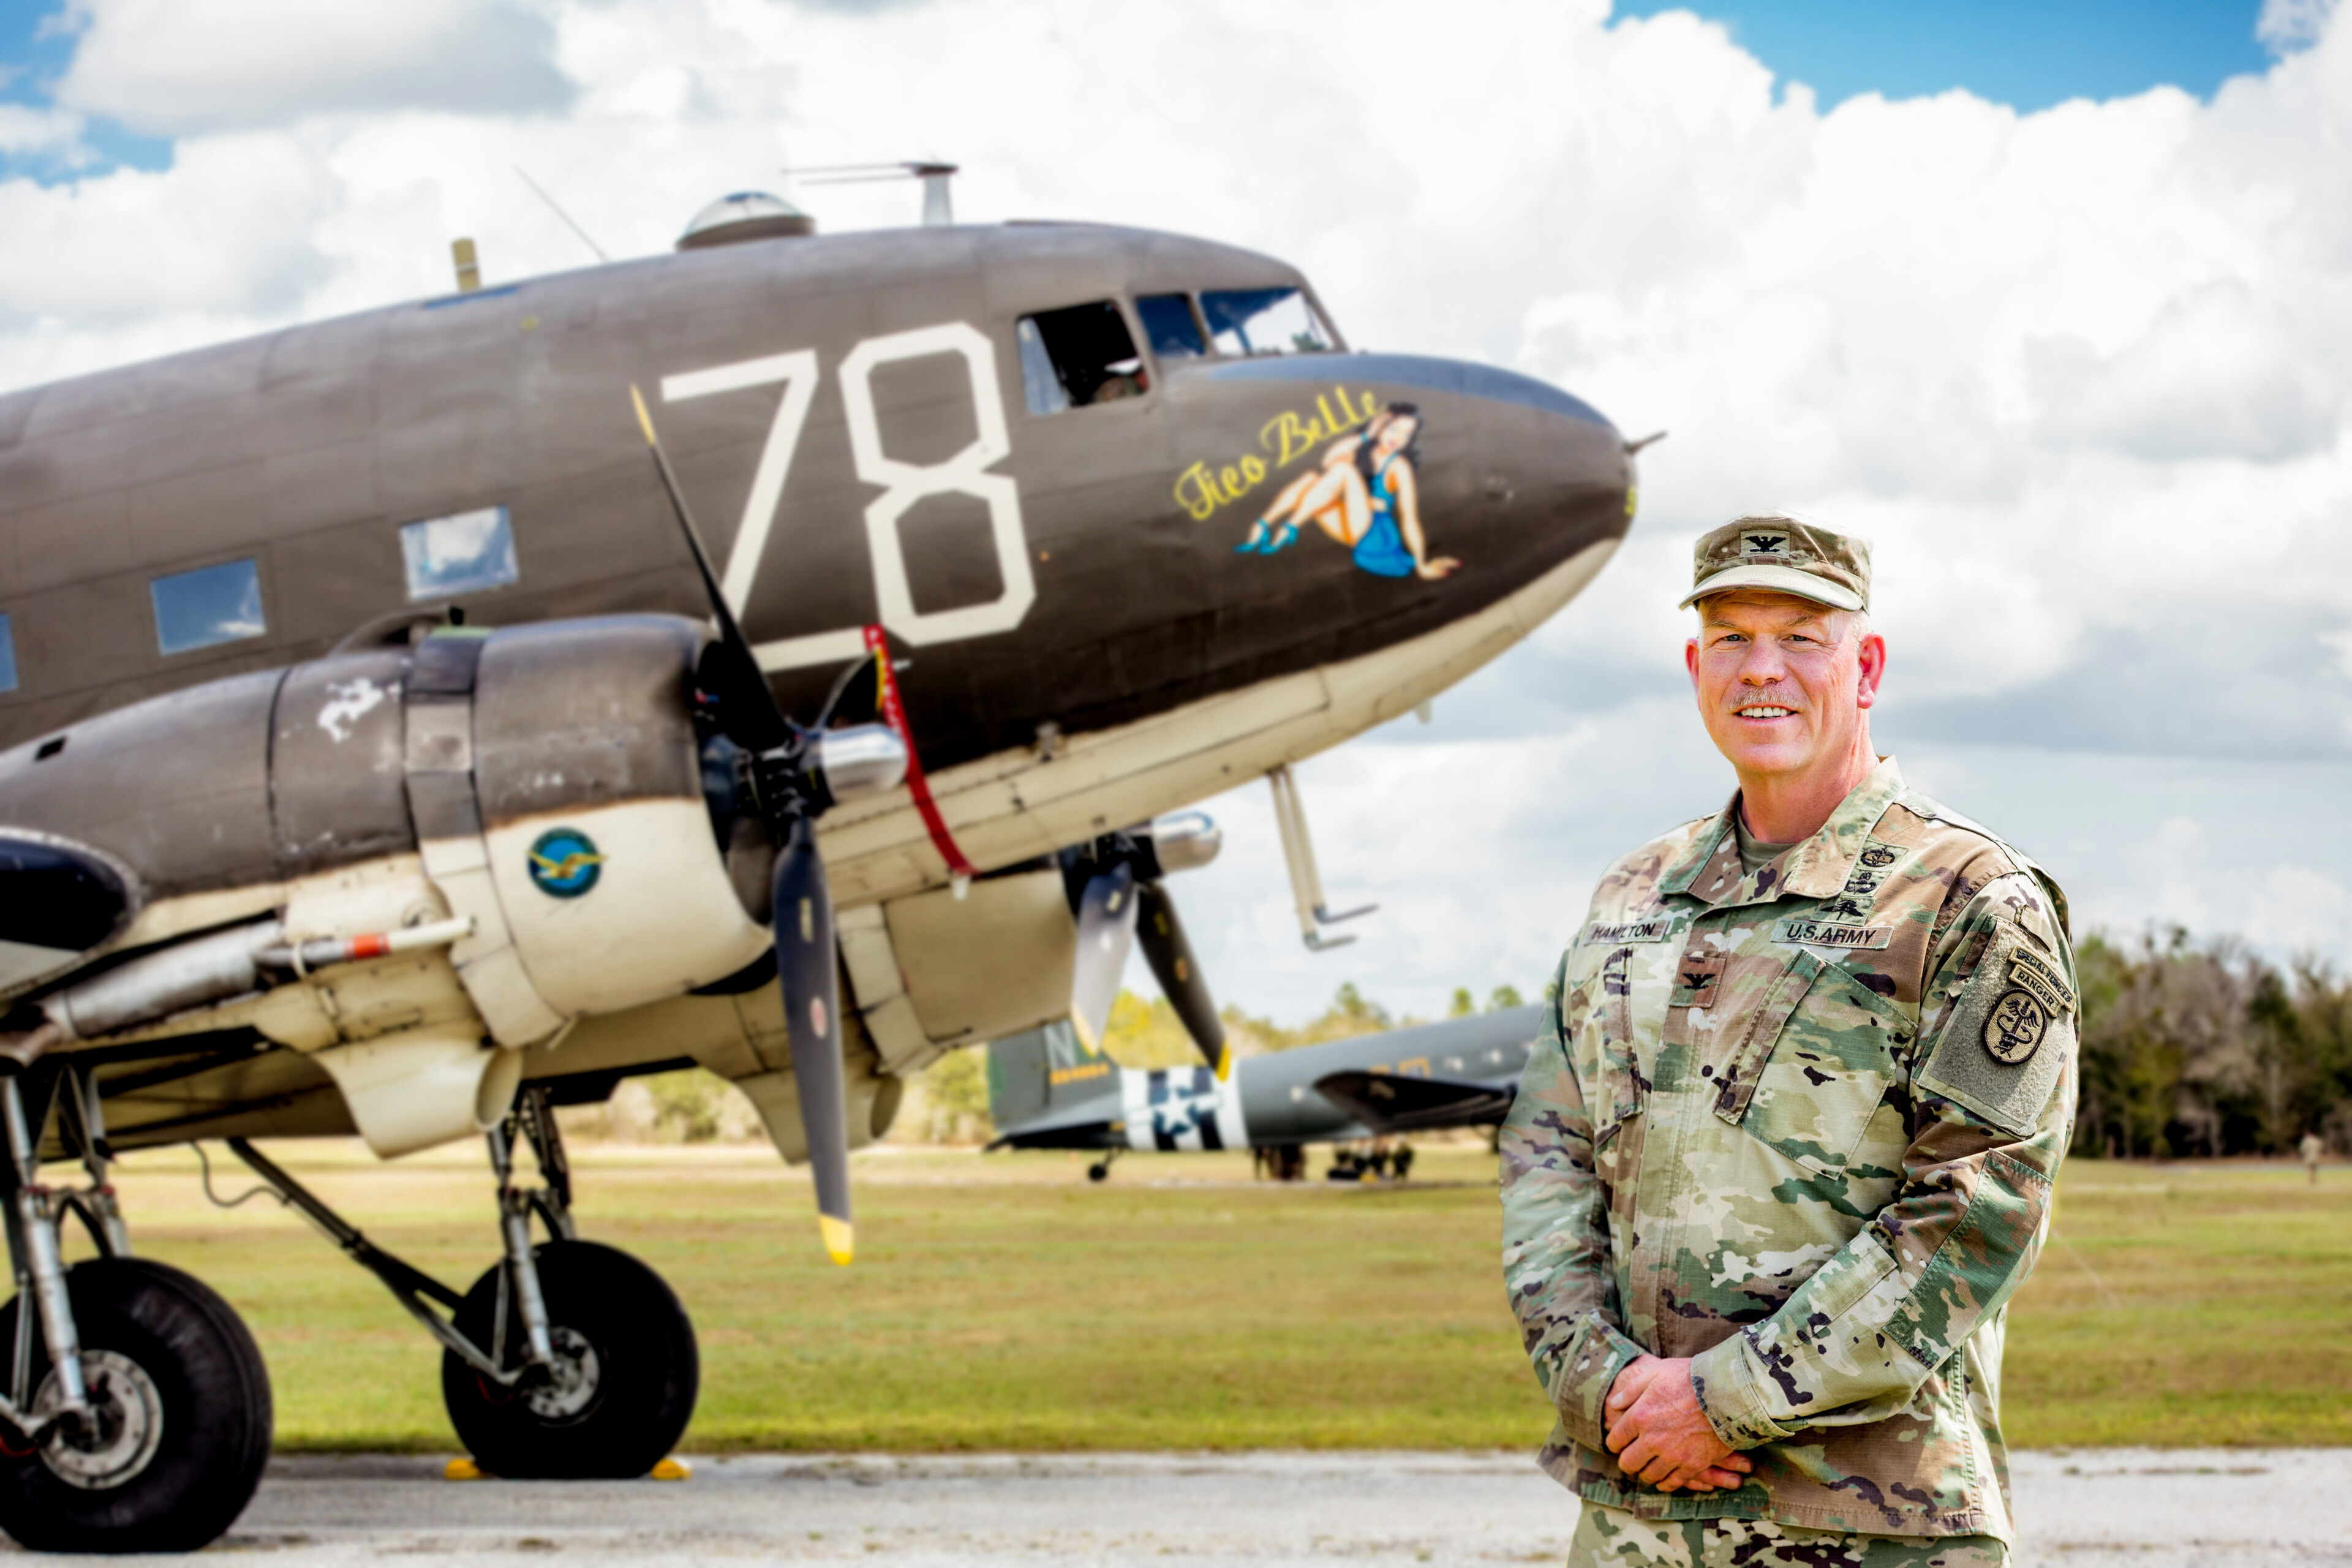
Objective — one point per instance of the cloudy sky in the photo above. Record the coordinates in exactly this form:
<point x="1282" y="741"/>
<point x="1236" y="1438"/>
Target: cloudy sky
<point x="2052" y="302"/>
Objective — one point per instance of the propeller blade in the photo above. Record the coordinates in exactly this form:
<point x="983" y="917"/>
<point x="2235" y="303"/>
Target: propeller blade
<point x="754" y="720"/>
<point x="1179" y="973"/>
<point x="1106" y="934"/>
<point x="806" y="969"/>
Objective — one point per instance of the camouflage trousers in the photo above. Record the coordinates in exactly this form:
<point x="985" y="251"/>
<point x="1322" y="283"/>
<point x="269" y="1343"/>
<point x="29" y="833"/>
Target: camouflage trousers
<point x="1611" y="1538"/>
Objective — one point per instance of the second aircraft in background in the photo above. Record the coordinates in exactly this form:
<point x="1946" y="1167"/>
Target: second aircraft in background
<point x="1046" y="1091"/>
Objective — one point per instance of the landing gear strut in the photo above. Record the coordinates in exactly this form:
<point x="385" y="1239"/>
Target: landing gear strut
<point x="1283" y="1162"/>
<point x="137" y="1418"/>
<point x="567" y="1359"/>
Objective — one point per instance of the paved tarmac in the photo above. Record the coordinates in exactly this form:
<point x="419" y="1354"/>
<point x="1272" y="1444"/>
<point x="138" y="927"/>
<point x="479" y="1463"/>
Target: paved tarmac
<point x="2091" y="1508"/>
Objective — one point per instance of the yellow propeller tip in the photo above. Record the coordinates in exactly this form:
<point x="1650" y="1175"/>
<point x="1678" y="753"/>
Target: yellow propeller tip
<point x="840" y="1239"/>
<point x="644" y="420"/>
<point x="1224" y="1066"/>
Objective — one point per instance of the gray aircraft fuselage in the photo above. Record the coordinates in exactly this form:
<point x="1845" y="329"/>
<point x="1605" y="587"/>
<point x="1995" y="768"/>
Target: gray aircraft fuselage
<point x="1095" y="1103"/>
<point x="307" y="450"/>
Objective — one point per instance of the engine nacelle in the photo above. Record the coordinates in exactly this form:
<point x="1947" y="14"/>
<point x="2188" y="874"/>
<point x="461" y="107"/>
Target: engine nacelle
<point x="547" y="777"/>
<point x="555" y="786"/>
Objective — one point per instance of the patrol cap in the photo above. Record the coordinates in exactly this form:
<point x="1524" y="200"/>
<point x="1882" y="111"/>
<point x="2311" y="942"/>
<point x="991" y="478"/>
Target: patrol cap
<point x="1783" y="552"/>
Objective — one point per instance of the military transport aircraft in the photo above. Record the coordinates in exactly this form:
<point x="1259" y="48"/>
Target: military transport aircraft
<point x="392" y="754"/>
<point x="1047" y="1091"/>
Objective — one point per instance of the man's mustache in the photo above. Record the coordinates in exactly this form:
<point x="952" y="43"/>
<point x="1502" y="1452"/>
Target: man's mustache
<point x="1764" y="697"/>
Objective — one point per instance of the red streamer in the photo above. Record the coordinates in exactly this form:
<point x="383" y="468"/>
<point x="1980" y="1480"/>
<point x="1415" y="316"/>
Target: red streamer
<point x="894" y="714"/>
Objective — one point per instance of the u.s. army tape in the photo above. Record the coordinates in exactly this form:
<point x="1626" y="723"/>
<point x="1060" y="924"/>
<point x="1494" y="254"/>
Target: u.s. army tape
<point x="1819" y="933"/>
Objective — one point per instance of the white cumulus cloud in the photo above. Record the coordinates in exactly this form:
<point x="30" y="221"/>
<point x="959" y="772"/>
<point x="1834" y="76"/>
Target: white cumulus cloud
<point x="172" y="67"/>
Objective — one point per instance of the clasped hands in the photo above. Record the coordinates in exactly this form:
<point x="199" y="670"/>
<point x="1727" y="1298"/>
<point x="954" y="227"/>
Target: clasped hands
<point x="1660" y="1435"/>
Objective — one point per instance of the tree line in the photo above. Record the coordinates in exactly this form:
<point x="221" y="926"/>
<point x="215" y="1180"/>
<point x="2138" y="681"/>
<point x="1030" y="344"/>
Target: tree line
<point x="2194" y="1048"/>
<point x="2189" y="1048"/>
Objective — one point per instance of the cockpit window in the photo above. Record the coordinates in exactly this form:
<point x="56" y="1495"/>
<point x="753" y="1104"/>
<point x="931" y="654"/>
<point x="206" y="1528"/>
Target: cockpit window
<point x="1078" y="356"/>
<point x="1263" y="321"/>
<point x="1169" y="323"/>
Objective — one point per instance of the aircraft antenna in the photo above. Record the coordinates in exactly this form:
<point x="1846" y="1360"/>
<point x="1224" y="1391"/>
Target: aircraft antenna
<point x="554" y="207"/>
<point x="939" y="204"/>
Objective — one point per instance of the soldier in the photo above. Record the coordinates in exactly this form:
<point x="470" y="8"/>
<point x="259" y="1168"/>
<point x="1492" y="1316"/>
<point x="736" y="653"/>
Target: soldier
<point x="1786" y="1145"/>
<point x="2312" y="1148"/>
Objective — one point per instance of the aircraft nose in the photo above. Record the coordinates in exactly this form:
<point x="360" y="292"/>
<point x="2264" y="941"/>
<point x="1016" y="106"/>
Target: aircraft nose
<point x="1527" y="475"/>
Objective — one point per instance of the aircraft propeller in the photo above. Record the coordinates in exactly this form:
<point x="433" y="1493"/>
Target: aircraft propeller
<point x="789" y="791"/>
<point x="1119" y="896"/>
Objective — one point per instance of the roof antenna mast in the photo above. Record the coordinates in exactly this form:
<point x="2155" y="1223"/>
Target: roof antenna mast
<point x="938" y="204"/>
<point x="558" y="212"/>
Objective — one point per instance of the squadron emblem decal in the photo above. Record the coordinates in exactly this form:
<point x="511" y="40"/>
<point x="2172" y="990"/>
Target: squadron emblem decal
<point x="2014" y="1029"/>
<point x="564" y="863"/>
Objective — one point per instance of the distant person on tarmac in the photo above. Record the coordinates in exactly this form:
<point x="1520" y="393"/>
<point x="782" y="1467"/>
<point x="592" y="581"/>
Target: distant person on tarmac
<point x="1784" y="1148"/>
<point x="2313" y="1148"/>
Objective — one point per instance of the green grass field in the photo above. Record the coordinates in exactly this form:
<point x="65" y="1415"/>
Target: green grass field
<point x="1002" y="1302"/>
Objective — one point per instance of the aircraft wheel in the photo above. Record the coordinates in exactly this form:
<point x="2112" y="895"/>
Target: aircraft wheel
<point x="181" y="1419"/>
<point x="1098" y="1171"/>
<point x="626" y="1378"/>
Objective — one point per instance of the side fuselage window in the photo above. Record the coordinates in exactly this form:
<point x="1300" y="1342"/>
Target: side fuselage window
<point x="1169" y="323"/>
<point x="1247" y="321"/>
<point x="1081" y="355"/>
<point x="7" y="655"/>
<point x="211" y="605"/>
<point x="467" y="552"/>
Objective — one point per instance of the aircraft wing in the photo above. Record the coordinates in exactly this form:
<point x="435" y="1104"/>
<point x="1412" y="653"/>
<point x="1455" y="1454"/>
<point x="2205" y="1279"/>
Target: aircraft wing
<point x="1392" y="1102"/>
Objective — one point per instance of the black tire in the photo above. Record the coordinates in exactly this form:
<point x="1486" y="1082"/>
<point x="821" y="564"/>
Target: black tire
<point x="204" y="1382"/>
<point x="610" y="1312"/>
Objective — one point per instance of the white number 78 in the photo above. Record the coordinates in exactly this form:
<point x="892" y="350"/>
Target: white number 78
<point x="903" y="485"/>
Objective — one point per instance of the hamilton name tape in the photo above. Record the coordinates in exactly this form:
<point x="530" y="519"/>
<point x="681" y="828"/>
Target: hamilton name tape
<point x="2031" y="972"/>
<point x="1816" y="934"/>
<point x="1656" y="928"/>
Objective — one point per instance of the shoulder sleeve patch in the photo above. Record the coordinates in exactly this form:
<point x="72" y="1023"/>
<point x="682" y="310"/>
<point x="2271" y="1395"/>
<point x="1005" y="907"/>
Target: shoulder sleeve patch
<point x="2031" y="972"/>
<point x="2002" y="1045"/>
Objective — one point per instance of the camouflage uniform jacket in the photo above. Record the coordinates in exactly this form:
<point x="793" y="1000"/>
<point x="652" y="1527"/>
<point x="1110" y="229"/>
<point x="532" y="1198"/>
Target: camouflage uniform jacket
<point x="1801" y="1126"/>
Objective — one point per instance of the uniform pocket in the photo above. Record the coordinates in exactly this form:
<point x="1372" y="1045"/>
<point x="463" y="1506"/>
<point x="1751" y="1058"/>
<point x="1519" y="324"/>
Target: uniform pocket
<point x="1825" y="1069"/>
<point x="1756" y="1033"/>
<point x="1617" y="1095"/>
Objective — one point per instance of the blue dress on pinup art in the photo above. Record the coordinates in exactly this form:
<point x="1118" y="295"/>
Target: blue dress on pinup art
<point x="1382" y="550"/>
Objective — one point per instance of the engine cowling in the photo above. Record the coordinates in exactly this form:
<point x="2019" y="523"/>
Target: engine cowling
<point x="556" y="792"/>
<point x="549" y="778"/>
